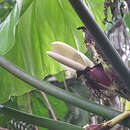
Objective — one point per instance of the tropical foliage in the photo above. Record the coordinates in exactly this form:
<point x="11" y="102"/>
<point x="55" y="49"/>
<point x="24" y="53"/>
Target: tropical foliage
<point x="26" y="31"/>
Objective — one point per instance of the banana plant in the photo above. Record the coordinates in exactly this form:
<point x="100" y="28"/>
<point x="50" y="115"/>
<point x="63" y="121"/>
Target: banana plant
<point x="96" y="77"/>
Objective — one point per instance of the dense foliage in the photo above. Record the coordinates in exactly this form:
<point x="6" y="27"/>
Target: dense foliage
<point x="27" y="28"/>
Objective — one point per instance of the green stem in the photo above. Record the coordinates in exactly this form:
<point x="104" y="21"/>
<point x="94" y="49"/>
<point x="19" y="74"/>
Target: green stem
<point x="118" y="118"/>
<point x="66" y="96"/>
<point x="37" y="120"/>
<point x="102" y="40"/>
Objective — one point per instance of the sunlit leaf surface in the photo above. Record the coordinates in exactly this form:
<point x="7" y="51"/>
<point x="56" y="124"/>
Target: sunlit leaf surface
<point x="27" y="35"/>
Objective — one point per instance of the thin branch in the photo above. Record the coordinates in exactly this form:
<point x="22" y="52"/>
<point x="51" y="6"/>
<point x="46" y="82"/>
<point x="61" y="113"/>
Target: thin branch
<point x="49" y="105"/>
<point x="65" y="85"/>
<point x="29" y="103"/>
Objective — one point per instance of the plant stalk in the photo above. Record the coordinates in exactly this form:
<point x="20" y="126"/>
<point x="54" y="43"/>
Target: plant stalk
<point x="59" y="93"/>
<point x="118" y="118"/>
<point x="103" y="42"/>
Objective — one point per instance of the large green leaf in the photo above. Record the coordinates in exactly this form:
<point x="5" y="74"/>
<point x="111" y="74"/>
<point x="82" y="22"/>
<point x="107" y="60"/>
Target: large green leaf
<point x="7" y="31"/>
<point x="9" y="84"/>
<point x="96" y="7"/>
<point x="37" y="120"/>
<point x="42" y="23"/>
<point x="38" y="24"/>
